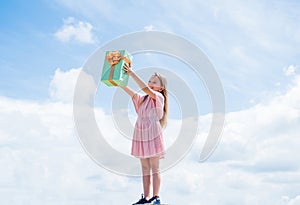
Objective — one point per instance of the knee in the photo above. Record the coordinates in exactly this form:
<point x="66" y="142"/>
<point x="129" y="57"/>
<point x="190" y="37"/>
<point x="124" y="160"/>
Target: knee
<point x="154" y="167"/>
<point x="146" y="169"/>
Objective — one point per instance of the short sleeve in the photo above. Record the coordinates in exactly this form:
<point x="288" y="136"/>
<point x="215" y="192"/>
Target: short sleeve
<point x="136" y="99"/>
<point x="159" y="104"/>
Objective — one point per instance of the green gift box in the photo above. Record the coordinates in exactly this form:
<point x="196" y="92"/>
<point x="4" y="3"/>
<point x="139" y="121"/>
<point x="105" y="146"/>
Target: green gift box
<point x="112" y="72"/>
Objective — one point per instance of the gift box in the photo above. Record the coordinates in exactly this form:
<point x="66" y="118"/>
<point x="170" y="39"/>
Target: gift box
<point x="113" y="73"/>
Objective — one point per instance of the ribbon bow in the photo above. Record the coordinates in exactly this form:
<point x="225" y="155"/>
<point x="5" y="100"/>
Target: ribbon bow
<point x="113" y="57"/>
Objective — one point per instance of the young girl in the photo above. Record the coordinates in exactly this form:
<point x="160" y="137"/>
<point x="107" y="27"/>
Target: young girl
<point x="147" y="142"/>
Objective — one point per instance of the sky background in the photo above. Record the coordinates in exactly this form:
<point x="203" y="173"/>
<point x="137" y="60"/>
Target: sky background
<point x="255" y="48"/>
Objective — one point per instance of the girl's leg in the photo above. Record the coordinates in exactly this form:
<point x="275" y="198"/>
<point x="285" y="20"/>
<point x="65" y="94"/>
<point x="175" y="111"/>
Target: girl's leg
<point x="146" y="177"/>
<point x="154" y="163"/>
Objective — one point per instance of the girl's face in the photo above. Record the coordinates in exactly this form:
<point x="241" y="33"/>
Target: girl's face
<point x="155" y="84"/>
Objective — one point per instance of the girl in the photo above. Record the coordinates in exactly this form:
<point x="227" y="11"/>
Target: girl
<point x="147" y="142"/>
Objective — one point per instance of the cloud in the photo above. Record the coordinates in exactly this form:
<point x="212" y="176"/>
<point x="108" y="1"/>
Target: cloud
<point x="294" y="201"/>
<point x="256" y="161"/>
<point x="265" y="135"/>
<point x="76" y="30"/>
<point x="62" y="85"/>
<point x="42" y="160"/>
<point x="258" y="152"/>
<point x="149" y="28"/>
<point x="290" y="70"/>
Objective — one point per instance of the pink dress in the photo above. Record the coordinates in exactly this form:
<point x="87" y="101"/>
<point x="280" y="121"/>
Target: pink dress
<point x="147" y="137"/>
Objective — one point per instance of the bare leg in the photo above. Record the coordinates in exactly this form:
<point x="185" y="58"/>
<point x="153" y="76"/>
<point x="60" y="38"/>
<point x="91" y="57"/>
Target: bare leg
<point x="154" y="163"/>
<point x="146" y="177"/>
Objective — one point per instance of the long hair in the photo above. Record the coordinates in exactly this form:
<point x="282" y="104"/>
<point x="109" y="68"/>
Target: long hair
<point x="164" y="92"/>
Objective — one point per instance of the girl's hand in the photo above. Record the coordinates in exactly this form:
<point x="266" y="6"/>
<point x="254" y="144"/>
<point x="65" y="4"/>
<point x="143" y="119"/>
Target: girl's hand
<point x="127" y="68"/>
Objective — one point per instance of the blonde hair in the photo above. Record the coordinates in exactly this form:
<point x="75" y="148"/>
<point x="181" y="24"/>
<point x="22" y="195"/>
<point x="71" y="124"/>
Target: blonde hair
<point x="164" y="92"/>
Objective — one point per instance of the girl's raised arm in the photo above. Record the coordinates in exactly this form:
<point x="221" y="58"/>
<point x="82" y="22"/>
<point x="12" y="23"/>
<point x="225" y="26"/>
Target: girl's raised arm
<point x="139" y="81"/>
<point x="128" y="90"/>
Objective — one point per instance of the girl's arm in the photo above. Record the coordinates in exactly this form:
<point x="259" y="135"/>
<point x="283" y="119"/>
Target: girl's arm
<point x="128" y="90"/>
<point x="139" y="81"/>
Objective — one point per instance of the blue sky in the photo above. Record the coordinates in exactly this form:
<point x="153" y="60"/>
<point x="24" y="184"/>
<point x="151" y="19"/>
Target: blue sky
<point x="29" y="51"/>
<point x="255" y="48"/>
<point x="243" y="45"/>
<point x="238" y="45"/>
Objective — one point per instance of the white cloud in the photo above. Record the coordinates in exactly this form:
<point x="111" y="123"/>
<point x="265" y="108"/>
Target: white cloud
<point x="62" y="85"/>
<point x="149" y="28"/>
<point x="41" y="159"/>
<point x="290" y="70"/>
<point x="258" y="153"/>
<point x="256" y="161"/>
<point x="265" y="134"/>
<point x="76" y="30"/>
<point x="294" y="201"/>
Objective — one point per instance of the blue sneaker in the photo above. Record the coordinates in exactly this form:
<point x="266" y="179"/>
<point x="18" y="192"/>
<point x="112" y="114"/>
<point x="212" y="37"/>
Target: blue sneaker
<point x="154" y="200"/>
